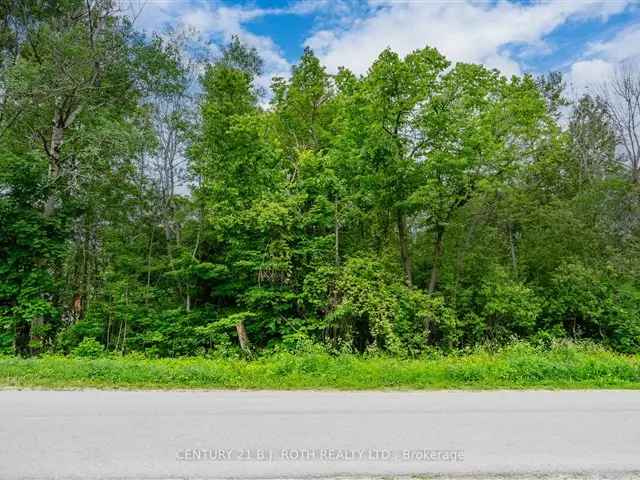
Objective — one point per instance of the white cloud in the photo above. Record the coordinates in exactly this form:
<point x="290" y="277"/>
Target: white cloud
<point x="306" y="7"/>
<point x="589" y="73"/>
<point x="624" y="46"/>
<point x="602" y="58"/>
<point x="150" y="16"/>
<point x="468" y="31"/>
<point x="224" y="22"/>
<point x="353" y="34"/>
<point x="219" y="21"/>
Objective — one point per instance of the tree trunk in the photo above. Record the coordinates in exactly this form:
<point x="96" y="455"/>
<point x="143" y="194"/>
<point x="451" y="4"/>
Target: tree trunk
<point x="21" y="338"/>
<point x="512" y="245"/>
<point x="337" y="234"/>
<point x="54" y="153"/>
<point x="405" y="255"/>
<point x="243" y="338"/>
<point x="437" y="255"/>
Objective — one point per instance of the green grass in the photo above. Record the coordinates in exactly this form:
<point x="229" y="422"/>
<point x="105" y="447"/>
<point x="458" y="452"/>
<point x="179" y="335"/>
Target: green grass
<point x="514" y="367"/>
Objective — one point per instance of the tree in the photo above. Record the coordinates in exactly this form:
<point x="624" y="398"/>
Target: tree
<point x="72" y="85"/>
<point x="302" y="105"/>
<point x="593" y="140"/>
<point x="421" y="205"/>
<point x="480" y="127"/>
<point x="233" y="160"/>
<point x="621" y="95"/>
<point x="397" y="91"/>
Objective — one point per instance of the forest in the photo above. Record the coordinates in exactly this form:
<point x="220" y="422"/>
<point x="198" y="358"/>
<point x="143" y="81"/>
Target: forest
<point x="155" y="198"/>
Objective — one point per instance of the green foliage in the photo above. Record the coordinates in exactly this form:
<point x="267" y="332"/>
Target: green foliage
<point x="29" y="245"/>
<point x="88" y="348"/>
<point x="510" y="308"/>
<point x="364" y="295"/>
<point x="597" y="304"/>
<point x="420" y="208"/>
<point x="563" y="365"/>
<point x="366" y="307"/>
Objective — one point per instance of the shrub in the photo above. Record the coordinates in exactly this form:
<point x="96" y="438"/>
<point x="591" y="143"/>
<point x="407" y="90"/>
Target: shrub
<point x="88" y="348"/>
<point x="597" y="304"/>
<point x="510" y="307"/>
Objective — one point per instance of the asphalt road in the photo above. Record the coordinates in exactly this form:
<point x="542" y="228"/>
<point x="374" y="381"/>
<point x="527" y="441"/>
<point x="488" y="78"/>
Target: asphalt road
<point x="159" y="435"/>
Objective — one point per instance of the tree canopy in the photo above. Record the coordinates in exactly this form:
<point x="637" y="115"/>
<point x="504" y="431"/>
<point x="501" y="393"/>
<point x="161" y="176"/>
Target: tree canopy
<point x="423" y="205"/>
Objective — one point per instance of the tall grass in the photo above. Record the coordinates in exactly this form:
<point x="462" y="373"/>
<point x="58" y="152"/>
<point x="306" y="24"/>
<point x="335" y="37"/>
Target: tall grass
<point x="517" y="366"/>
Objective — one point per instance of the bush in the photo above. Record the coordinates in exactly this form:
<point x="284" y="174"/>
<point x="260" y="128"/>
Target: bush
<point x="88" y="348"/>
<point x="510" y="307"/>
<point x="596" y="304"/>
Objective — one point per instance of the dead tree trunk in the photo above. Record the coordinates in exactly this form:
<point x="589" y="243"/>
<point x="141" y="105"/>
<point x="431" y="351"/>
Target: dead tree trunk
<point x="243" y="338"/>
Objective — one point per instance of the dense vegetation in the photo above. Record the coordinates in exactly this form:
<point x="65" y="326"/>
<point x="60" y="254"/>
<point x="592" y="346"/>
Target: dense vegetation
<point x="517" y="366"/>
<point x="424" y="206"/>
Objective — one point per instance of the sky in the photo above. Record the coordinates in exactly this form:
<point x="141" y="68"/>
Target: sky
<point x="583" y="39"/>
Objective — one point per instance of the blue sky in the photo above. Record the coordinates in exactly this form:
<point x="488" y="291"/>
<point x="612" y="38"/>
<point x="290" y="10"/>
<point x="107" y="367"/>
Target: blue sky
<point x="584" y="39"/>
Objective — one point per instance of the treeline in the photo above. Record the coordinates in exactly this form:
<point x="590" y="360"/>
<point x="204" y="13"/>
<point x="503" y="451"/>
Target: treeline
<point x="154" y="201"/>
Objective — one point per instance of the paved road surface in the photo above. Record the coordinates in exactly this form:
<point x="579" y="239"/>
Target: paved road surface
<point x="157" y="435"/>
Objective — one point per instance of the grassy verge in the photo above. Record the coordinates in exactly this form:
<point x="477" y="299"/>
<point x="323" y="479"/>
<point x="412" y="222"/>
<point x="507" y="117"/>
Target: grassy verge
<point x="518" y="366"/>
